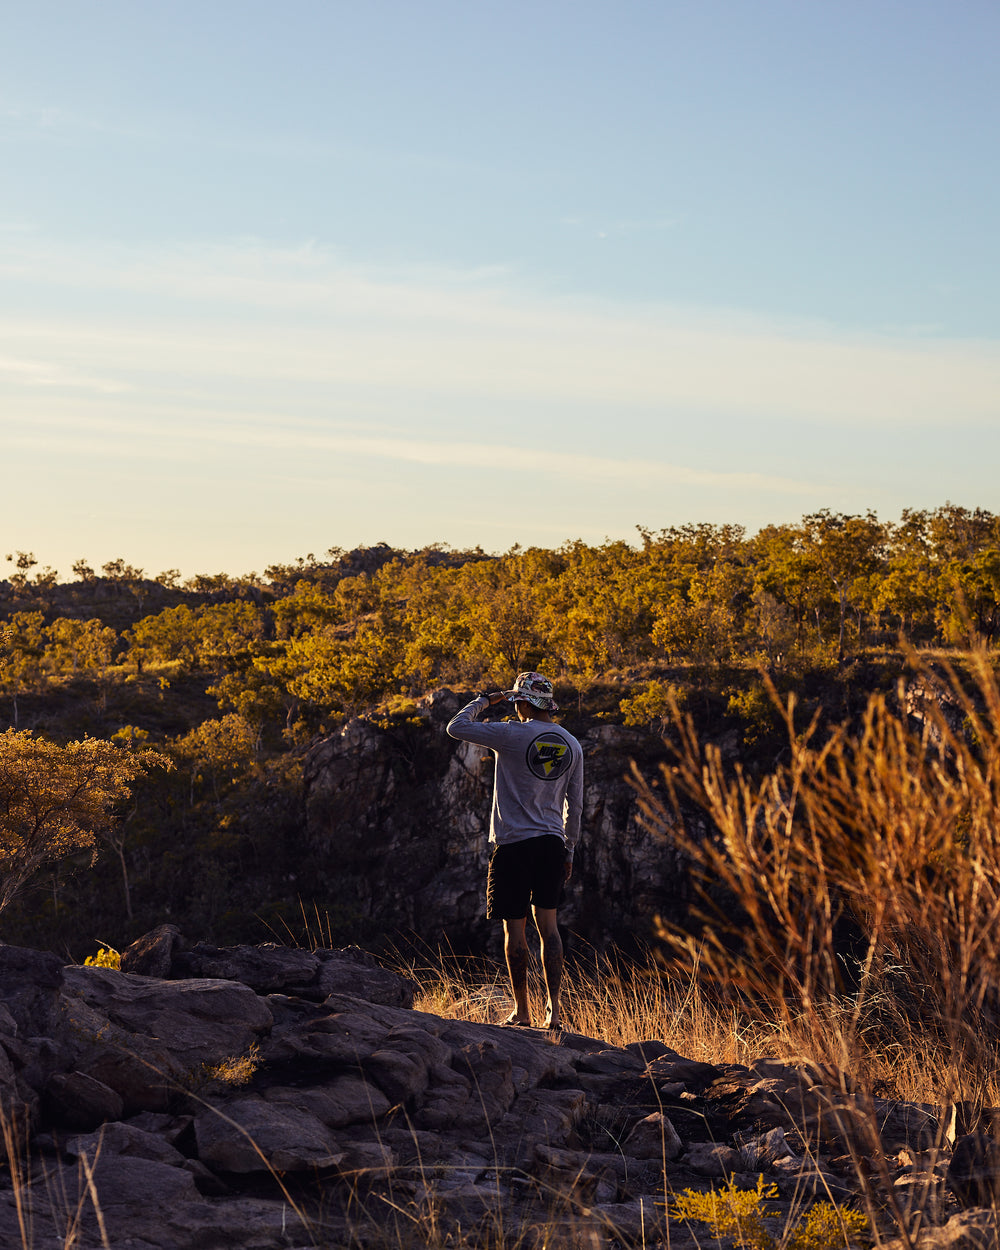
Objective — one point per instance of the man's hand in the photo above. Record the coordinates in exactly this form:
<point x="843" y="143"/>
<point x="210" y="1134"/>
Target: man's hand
<point x="569" y="870"/>
<point x="492" y="698"/>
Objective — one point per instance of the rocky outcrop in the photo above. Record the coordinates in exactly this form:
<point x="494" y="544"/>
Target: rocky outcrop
<point x="207" y="1111"/>
<point x="403" y="813"/>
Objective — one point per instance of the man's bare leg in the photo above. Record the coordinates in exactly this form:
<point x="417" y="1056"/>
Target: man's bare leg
<point x="552" y="961"/>
<point x="515" y="947"/>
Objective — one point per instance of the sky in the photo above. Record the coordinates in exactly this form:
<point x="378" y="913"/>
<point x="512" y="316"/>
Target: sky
<point x="281" y="277"/>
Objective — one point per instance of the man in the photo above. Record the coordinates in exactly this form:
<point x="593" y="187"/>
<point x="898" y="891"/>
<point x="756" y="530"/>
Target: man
<point x="534" y="827"/>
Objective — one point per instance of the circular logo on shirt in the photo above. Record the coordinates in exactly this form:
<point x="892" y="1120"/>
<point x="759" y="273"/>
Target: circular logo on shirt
<point x="549" y="756"/>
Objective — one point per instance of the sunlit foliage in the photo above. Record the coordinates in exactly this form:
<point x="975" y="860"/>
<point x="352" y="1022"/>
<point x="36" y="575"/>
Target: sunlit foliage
<point x="57" y="800"/>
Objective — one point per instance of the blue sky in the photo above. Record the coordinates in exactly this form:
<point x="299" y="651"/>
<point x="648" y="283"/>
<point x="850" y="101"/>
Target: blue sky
<point x="280" y="277"/>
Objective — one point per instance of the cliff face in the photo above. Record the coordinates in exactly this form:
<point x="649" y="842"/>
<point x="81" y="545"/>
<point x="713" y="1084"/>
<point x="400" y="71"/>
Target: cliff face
<point x="402" y="820"/>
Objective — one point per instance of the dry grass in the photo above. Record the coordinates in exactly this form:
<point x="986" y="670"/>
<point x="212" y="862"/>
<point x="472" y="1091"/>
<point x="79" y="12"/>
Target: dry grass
<point x="610" y="997"/>
<point x="852" y="897"/>
<point x="623" y="1001"/>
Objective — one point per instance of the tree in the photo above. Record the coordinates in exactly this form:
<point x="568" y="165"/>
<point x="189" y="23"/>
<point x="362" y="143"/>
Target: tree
<point x="75" y="645"/>
<point x="344" y="674"/>
<point x="22" y="652"/>
<point x="499" y="602"/>
<point x="847" y="550"/>
<point x="124" y="576"/>
<point x="172" y="634"/>
<point x="25" y="561"/>
<point x="909" y="586"/>
<point x="57" y="800"/>
<point x="220" y="748"/>
<point x="40" y="582"/>
<point x="87" y="646"/>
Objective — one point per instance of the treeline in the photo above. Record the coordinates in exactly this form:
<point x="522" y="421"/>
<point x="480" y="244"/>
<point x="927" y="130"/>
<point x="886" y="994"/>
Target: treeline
<point x="324" y="638"/>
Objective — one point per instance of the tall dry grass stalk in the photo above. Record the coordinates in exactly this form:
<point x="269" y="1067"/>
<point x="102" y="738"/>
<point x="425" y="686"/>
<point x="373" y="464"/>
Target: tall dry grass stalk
<point x="853" y="895"/>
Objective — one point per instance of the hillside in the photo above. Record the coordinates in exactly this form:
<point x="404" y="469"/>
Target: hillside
<point x="240" y="682"/>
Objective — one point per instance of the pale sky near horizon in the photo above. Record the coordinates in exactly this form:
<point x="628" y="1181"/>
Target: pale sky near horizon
<point x="281" y="277"/>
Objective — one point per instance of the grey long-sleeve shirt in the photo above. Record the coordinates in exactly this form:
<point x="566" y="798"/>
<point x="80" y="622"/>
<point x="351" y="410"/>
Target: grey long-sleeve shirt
<point x="538" y="787"/>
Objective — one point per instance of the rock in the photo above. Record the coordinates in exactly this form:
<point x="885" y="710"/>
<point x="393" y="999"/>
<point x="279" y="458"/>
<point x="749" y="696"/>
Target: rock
<point x="338" y="1038"/>
<point x="490" y="1074"/>
<point x="250" y="1134"/>
<point x="148" y="1039"/>
<point x="905" y="1124"/>
<point x="141" y="1073"/>
<point x="712" y="1159"/>
<point x="265" y="969"/>
<point x="75" y="1100"/>
<point x="968" y="1230"/>
<point x="197" y="1021"/>
<point x="29" y="988"/>
<point x="124" y="1139"/>
<point x="610" y="1063"/>
<point x="759" y="1152"/>
<point x="802" y="1178"/>
<point x="368" y="1112"/>
<point x="640" y="1222"/>
<point x="534" y="1058"/>
<point x="153" y="953"/>
<point x="649" y="1050"/>
<point x="448" y="1102"/>
<point x="974" y="1172"/>
<point x="353" y="971"/>
<point x="146" y="1205"/>
<point x="653" y="1138"/>
<point x="401" y="1066"/>
<point x="345" y="1100"/>
<point x="575" y="1173"/>
<point x="674" y="1067"/>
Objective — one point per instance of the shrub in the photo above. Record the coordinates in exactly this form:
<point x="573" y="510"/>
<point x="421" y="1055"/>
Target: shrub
<point x="106" y="957"/>
<point x="741" y="1215"/>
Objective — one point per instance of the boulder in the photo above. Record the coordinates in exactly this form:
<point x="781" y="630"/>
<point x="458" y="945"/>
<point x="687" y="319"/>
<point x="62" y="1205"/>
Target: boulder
<point x="712" y="1159"/>
<point x="153" y="954"/>
<point x="251" y="1134"/>
<point x="124" y="1139"/>
<point x="75" y="1100"/>
<point x="265" y="969"/>
<point x="653" y="1138"/>
<point x="195" y="1021"/>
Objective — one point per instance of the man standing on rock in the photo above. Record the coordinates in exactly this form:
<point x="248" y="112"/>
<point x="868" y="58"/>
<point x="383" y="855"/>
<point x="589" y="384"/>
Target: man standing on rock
<point x="534" y="826"/>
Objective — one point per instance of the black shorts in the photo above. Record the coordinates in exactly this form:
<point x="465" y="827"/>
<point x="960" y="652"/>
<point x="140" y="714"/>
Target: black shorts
<point x="523" y="873"/>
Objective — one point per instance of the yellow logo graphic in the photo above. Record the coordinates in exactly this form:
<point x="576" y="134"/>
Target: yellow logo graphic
<point x="546" y="759"/>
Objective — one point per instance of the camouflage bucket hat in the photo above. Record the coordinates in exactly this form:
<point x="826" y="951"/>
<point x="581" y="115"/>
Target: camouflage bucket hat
<point x="535" y="689"/>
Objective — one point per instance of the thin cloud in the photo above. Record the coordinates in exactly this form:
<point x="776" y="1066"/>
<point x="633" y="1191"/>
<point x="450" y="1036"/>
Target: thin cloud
<point x="178" y="432"/>
<point x="248" y="315"/>
<point x="44" y="373"/>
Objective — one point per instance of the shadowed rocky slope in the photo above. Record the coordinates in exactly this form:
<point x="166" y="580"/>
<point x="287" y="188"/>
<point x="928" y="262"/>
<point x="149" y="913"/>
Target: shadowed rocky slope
<point x="361" y="1119"/>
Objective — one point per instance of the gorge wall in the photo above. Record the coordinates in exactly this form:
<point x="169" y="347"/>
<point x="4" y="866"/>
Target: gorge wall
<point x="400" y="815"/>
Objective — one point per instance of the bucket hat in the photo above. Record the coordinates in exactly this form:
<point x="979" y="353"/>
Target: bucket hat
<point x="534" y="689"/>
